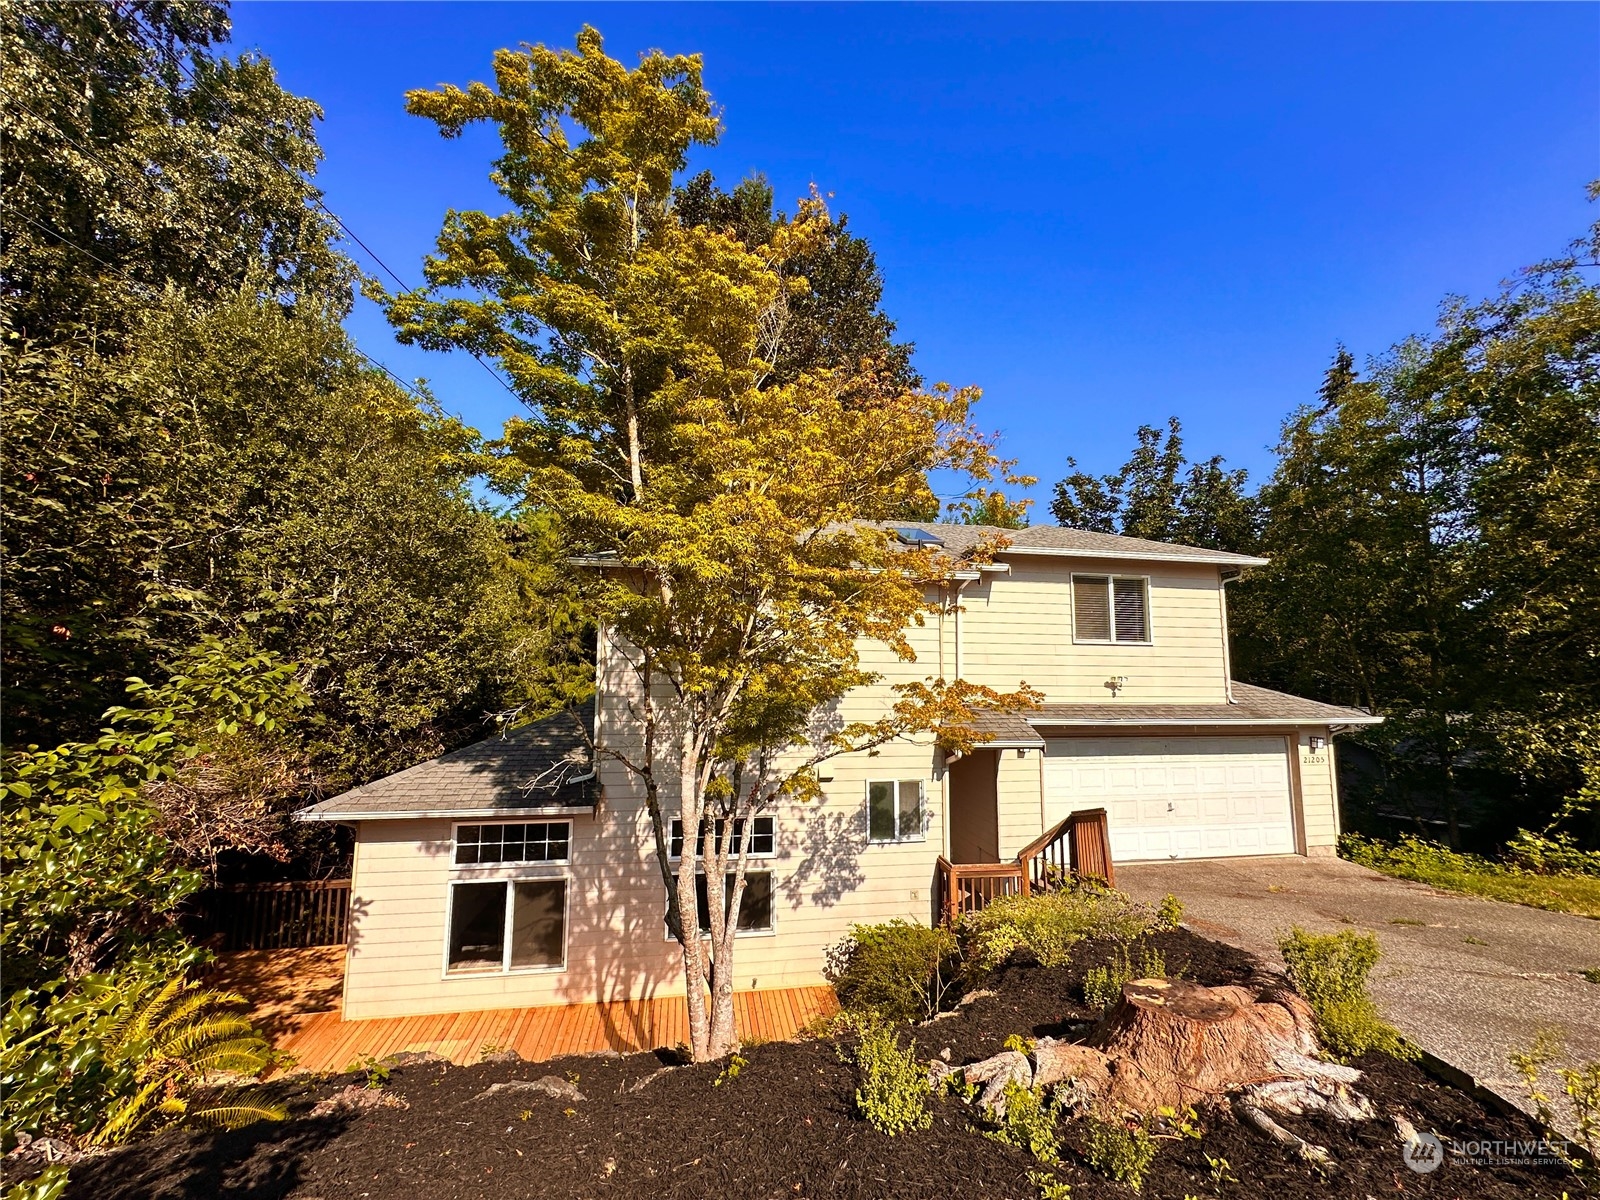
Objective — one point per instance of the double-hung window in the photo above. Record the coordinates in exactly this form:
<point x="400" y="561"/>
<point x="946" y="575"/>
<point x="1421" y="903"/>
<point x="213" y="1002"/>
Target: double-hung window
<point x="508" y="898"/>
<point x="895" y="810"/>
<point x="1111" y="608"/>
<point x="755" y="907"/>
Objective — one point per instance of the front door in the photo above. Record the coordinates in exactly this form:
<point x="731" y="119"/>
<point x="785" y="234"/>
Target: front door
<point x="974" y="809"/>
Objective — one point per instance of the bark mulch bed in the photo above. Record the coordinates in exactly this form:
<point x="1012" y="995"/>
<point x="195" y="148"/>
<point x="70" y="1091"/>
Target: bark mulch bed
<point x="785" y="1126"/>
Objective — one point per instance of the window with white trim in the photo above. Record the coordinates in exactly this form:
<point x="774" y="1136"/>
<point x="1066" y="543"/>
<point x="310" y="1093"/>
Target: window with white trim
<point x="1111" y="608"/>
<point x="755" y="906"/>
<point x="502" y="925"/>
<point x="507" y="908"/>
<point x="510" y="843"/>
<point x="763" y="837"/>
<point x="894" y="810"/>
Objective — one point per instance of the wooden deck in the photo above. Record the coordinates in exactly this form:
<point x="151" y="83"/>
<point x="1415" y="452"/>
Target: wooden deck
<point x="296" y="997"/>
<point x="324" y="1042"/>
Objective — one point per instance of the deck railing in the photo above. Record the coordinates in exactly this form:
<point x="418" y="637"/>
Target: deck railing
<point x="1078" y="847"/>
<point x="280" y="916"/>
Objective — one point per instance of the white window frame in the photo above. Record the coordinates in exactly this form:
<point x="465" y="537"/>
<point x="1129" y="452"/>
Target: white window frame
<point x="921" y="835"/>
<point x="700" y="873"/>
<point x="510" y="874"/>
<point x="455" y="841"/>
<point x="1111" y="578"/>
<point x="676" y="823"/>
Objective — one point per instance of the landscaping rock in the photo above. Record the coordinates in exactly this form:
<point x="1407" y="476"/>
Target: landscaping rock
<point x="413" y="1058"/>
<point x="550" y="1085"/>
<point x="357" y="1099"/>
<point x="503" y="1056"/>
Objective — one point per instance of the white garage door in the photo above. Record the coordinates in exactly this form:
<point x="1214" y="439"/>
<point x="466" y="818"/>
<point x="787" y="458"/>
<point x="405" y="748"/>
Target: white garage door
<point x="1176" y="797"/>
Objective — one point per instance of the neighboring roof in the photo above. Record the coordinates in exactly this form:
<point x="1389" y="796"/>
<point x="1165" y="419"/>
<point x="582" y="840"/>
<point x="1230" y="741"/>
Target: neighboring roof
<point x="1060" y="542"/>
<point x="1252" y="706"/>
<point x="537" y="768"/>
<point x="1006" y="731"/>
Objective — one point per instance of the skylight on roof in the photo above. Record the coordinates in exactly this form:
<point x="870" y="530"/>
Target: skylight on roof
<point x="912" y="536"/>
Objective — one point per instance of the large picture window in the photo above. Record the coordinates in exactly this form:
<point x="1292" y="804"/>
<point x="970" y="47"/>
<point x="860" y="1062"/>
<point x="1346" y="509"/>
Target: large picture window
<point x="507" y="925"/>
<point x="894" y="810"/>
<point x="1111" y="608"/>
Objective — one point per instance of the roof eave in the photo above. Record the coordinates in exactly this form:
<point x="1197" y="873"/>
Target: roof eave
<point x="1216" y="560"/>
<point x="337" y="817"/>
<point x="1363" y="719"/>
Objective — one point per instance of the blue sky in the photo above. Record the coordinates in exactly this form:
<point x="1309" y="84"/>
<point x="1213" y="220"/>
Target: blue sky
<point x="1101" y="215"/>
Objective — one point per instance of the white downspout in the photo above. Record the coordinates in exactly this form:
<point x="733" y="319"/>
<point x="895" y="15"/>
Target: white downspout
<point x="1227" y="657"/>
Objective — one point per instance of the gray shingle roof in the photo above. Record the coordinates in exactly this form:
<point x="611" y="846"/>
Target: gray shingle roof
<point x="1005" y="731"/>
<point x="1075" y="543"/>
<point x="1252" y="706"/>
<point x="540" y="766"/>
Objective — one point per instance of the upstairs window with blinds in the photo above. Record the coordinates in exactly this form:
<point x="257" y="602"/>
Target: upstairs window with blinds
<point x="1110" y="608"/>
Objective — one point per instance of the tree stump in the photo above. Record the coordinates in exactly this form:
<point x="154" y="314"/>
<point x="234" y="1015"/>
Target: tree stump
<point x="1170" y="1043"/>
<point x="1173" y="1044"/>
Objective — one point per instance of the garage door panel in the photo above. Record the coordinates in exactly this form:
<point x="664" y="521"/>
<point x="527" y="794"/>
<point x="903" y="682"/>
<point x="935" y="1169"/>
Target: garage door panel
<point x="1176" y="797"/>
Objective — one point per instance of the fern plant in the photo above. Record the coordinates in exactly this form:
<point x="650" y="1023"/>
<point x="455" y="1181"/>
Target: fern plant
<point x="193" y="1051"/>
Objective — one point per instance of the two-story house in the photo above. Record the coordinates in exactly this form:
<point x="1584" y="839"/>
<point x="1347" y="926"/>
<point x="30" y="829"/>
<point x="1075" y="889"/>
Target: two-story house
<point x="521" y="870"/>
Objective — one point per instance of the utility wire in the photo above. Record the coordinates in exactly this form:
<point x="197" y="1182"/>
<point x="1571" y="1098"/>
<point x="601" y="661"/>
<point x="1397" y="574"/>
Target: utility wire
<point x="194" y="82"/>
<point x="150" y="293"/>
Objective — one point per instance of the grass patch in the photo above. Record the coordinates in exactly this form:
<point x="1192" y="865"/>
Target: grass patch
<point x="1440" y="867"/>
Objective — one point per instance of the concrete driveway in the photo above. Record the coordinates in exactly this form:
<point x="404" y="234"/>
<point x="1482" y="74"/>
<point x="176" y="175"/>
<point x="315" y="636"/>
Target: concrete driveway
<point x="1469" y="980"/>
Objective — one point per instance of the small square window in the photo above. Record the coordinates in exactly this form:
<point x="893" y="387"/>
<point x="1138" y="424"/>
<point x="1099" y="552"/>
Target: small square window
<point x="755" y="907"/>
<point x="894" y="810"/>
<point x="1110" y="608"/>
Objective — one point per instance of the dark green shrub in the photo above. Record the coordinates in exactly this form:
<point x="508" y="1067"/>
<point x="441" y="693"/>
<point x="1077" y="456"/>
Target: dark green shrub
<point x="892" y="1088"/>
<point x="1330" y="970"/>
<point x="901" y="970"/>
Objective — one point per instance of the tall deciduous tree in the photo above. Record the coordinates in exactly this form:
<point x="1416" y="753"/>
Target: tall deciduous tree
<point x="725" y="511"/>
<point x="135" y="155"/>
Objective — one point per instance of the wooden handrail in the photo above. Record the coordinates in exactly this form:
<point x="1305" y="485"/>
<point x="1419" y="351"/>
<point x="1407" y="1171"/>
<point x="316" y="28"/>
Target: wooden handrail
<point x="1044" y="839"/>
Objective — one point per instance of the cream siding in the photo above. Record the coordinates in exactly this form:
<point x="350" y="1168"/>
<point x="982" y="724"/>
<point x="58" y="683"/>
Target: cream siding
<point x="1014" y="627"/>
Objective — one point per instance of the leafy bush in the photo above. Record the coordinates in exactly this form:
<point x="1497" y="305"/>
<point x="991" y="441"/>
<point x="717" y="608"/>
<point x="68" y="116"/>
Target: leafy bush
<point x="1581" y="1085"/>
<point x="127" y="1053"/>
<point x="1169" y="913"/>
<point x="1102" y="986"/>
<point x="1330" y="970"/>
<point x="901" y="970"/>
<point x="1049" y="925"/>
<point x="1029" y="1122"/>
<point x="892" y="1089"/>
<point x="1551" y="854"/>
<point x="1120" y="1152"/>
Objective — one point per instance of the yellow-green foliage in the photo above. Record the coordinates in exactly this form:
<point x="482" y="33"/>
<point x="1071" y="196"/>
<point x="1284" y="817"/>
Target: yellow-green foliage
<point x="1169" y="913"/>
<point x="892" y="1089"/>
<point x="1050" y="925"/>
<point x="1029" y="1123"/>
<point x="1120" y="1152"/>
<point x="1581" y="1085"/>
<point x="901" y="970"/>
<point x="1559" y="879"/>
<point x="186" y="1038"/>
<point x="1330" y="970"/>
<point x="1102" y="986"/>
